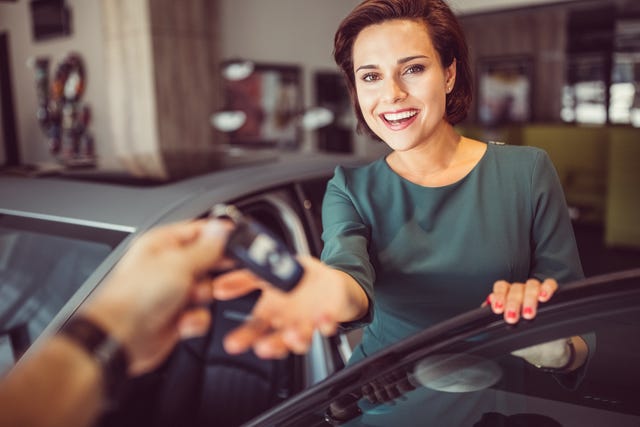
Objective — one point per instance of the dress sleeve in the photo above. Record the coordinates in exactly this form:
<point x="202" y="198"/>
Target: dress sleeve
<point x="346" y="239"/>
<point x="554" y="251"/>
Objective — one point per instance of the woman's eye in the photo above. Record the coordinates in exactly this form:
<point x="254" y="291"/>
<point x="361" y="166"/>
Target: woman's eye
<point x="369" y="77"/>
<point x="414" y="69"/>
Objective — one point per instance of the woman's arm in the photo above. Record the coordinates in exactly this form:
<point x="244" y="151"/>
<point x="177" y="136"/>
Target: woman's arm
<point x="564" y="355"/>
<point x="554" y="252"/>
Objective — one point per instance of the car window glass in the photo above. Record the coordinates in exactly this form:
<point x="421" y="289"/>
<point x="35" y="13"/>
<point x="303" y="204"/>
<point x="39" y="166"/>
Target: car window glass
<point x="38" y="275"/>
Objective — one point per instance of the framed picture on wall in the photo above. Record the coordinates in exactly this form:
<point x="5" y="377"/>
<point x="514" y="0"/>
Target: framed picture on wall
<point x="504" y="90"/>
<point x="50" y="18"/>
<point x="270" y="98"/>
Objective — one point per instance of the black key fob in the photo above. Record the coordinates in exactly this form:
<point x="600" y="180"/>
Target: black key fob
<point x="257" y="249"/>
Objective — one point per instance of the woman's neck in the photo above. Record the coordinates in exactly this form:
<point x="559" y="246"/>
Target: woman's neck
<point x="443" y="160"/>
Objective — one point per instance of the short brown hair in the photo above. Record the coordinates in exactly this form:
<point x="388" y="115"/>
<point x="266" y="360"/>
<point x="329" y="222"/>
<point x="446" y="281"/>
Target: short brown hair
<point x="446" y="34"/>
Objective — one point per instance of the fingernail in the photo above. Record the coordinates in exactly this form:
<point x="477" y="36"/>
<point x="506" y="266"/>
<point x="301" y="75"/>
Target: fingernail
<point x="488" y="300"/>
<point x="498" y="305"/>
<point x="544" y="294"/>
<point x="527" y="311"/>
<point x="511" y="314"/>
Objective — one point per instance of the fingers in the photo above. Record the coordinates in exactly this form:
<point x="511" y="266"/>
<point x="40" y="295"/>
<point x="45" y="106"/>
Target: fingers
<point x="235" y="284"/>
<point x="298" y="338"/>
<point x="499" y="296"/>
<point x="270" y="337"/>
<point x="194" y="322"/>
<point x="243" y="338"/>
<point x="513" y="302"/>
<point x="530" y="298"/>
<point x="516" y="300"/>
<point x="266" y="342"/>
<point x="207" y="250"/>
<point x="547" y="289"/>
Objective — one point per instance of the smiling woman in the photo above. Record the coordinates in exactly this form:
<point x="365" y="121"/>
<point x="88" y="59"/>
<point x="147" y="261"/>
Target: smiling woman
<point x="432" y="239"/>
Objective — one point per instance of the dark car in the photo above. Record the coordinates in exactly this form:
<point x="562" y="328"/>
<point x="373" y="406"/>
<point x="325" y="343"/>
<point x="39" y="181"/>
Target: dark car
<point x="462" y="372"/>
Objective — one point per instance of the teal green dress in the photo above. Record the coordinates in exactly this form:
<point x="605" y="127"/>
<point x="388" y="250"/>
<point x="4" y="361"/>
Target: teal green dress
<point x="425" y="254"/>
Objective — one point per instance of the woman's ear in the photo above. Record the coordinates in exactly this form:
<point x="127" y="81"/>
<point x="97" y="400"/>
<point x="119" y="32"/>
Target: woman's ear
<point x="450" y="76"/>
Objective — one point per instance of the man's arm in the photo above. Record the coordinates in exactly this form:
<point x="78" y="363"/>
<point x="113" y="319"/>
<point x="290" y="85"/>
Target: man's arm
<point x="60" y="385"/>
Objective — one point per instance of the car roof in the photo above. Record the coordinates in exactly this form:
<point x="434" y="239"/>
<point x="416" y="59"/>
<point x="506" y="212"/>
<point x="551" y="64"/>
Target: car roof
<point x="131" y="207"/>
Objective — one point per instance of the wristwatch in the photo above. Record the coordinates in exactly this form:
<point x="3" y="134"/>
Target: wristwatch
<point x="107" y="351"/>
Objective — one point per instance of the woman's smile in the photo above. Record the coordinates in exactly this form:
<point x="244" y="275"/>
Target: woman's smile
<point x="400" y="119"/>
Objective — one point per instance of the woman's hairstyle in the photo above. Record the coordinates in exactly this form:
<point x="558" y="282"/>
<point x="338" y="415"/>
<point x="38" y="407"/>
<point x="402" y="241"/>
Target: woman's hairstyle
<point x="446" y="35"/>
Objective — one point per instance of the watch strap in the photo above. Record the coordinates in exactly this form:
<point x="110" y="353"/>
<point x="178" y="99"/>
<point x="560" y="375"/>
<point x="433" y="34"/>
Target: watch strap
<point x="107" y="351"/>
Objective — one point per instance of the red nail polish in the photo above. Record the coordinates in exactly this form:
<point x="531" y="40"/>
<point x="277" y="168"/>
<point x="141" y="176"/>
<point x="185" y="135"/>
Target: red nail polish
<point x="498" y="305"/>
<point x="527" y="311"/>
<point x="511" y="314"/>
<point x="543" y="294"/>
<point x="488" y="300"/>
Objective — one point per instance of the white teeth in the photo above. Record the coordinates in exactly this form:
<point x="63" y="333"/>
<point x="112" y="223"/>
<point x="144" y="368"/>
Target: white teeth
<point x="399" y="116"/>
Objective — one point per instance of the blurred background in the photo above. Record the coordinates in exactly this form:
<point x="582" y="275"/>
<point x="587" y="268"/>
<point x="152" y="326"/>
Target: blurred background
<point x="170" y="88"/>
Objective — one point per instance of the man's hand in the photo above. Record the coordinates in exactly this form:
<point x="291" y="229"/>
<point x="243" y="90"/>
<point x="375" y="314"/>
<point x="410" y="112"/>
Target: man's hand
<point x="155" y="294"/>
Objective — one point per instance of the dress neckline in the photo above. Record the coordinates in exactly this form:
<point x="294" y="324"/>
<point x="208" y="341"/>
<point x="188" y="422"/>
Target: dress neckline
<point x="453" y="184"/>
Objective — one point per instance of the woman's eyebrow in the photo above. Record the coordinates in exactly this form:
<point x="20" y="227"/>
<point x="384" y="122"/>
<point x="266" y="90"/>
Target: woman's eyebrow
<point x="411" y="58"/>
<point x="400" y="61"/>
<point x="366" y="67"/>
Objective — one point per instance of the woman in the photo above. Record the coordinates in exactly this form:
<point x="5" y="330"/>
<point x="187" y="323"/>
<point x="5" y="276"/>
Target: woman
<point x="435" y="228"/>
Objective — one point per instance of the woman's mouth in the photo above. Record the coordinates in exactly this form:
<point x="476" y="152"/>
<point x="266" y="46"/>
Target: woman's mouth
<point x="400" y="119"/>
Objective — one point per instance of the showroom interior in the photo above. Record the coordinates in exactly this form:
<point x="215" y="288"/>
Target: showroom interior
<point x="154" y="74"/>
<point x="118" y="116"/>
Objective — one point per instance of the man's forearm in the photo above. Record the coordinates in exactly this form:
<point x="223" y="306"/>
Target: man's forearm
<point x="60" y="385"/>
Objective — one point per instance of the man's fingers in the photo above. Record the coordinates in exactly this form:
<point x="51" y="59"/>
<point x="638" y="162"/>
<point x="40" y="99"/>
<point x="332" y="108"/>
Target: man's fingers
<point x="205" y="252"/>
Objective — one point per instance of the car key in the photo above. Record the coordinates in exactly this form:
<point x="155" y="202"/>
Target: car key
<point x="256" y="248"/>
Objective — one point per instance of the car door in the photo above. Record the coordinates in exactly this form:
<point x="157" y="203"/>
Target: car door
<point x="463" y="373"/>
<point x="201" y="384"/>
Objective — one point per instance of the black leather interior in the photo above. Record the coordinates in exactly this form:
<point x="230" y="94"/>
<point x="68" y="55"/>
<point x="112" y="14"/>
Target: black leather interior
<point x="201" y="385"/>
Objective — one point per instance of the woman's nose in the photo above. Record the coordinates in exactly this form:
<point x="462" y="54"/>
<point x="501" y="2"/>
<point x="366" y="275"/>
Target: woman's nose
<point x="393" y="91"/>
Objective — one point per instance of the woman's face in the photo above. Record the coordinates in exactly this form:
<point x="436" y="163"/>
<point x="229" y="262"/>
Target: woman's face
<point x="400" y="82"/>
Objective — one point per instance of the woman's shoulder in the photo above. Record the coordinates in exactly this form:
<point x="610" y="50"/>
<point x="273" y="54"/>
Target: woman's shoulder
<point x="523" y="151"/>
<point x="517" y="155"/>
<point x="359" y="174"/>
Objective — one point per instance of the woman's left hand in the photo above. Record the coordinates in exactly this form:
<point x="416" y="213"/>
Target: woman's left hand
<point x="516" y="300"/>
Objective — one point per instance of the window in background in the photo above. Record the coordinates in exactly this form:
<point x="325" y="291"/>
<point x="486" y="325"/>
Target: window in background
<point x="625" y="77"/>
<point x="603" y="67"/>
<point x="584" y="97"/>
<point x="590" y="35"/>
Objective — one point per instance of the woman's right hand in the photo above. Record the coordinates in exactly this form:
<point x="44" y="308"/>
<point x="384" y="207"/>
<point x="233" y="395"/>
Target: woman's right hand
<point x="282" y="322"/>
